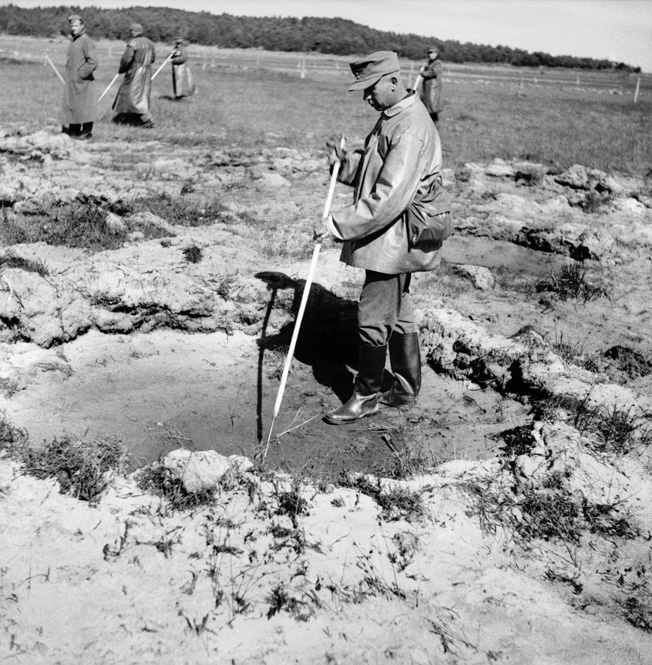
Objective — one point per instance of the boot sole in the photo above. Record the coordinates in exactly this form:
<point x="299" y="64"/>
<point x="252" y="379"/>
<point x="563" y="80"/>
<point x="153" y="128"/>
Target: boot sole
<point x="332" y="421"/>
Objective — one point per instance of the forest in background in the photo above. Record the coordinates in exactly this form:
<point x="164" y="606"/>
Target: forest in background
<point x="335" y="36"/>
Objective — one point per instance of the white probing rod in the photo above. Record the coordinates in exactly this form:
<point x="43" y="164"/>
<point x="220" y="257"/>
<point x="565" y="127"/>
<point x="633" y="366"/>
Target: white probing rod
<point x="304" y="301"/>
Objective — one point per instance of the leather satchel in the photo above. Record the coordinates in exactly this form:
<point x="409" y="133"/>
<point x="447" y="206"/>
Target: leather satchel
<point x="429" y="220"/>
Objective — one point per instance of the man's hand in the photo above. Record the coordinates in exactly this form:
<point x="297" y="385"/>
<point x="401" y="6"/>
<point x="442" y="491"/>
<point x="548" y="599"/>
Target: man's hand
<point x="336" y="151"/>
<point x="320" y="230"/>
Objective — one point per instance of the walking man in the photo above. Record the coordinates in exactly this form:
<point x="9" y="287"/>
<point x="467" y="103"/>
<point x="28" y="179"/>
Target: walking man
<point x="431" y="73"/>
<point x="400" y="165"/>
<point x="131" y="104"/>
<point x="183" y="84"/>
<point x="78" y="105"/>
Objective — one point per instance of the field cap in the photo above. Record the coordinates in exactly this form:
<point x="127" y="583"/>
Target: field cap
<point x="75" y="17"/>
<point x="136" y="27"/>
<point x="373" y="67"/>
<point x="433" y="49"/>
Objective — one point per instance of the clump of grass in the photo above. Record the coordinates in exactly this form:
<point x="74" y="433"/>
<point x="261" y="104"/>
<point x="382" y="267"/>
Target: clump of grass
<point x="594" y="201"/>
<point x="573" y="351"/>
<point x="289" y="502"/>
<point x="285" y="242"/>
<point x="13" y="440"/>
<point x="158" y="480"/>
<point x="558" y="514"/>
<point x="299" y="604"/>
<point x="180" y="210"/>
<point x="83" y="468"/>
<point x="30" y="265"/>
<point x="637" y="612"/>
<point x="193" y="254"/>
<point x="571" y="283"/>
<point x="518" y="440"/>
<point x="611" y="430"/>
<point x="549" y="512"/>
<point x="395" y="503"/>
<point x="75" y="224"/>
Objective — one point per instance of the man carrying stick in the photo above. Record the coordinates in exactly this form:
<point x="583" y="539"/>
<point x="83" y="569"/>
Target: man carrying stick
<point x="78" y="106"/>
<point x="131" y="104"/>
<point x="399" y="167"/>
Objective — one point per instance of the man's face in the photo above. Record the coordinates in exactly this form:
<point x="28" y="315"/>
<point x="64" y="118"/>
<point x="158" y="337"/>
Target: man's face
<point x="76" y="26"/>
<point x="380" y="95"/>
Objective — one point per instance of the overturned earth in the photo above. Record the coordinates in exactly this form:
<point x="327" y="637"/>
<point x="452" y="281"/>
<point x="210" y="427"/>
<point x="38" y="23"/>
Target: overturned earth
<point x="158" y="311"/>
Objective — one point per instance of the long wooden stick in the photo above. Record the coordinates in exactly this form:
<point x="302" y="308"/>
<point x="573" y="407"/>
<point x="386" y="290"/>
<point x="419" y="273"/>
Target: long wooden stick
<point x="56" y="71"/>
<point x="115" y="78"/>
<point x="302" y="306"/>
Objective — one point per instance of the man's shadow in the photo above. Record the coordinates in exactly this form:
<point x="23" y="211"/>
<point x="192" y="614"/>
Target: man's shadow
<point x="328" y="337"/>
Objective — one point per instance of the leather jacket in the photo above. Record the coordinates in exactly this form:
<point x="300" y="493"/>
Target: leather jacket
<point x="402" y="156"/>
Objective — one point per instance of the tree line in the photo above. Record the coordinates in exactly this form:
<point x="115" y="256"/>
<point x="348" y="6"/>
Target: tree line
<point x="335" y="36"/>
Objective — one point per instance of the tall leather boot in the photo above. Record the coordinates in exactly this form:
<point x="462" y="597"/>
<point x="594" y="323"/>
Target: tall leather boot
<point x="405" y="360"/>
<point x="368" y="382"/>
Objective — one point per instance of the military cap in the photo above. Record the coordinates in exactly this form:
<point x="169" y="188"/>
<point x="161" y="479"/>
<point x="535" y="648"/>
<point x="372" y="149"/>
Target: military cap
<point x="136" y="28"/>
<point x="370" y="69"/>
<point x="75" y="17"/>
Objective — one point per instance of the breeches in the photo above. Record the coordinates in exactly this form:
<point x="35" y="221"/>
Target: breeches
<point x="385" y="307"/>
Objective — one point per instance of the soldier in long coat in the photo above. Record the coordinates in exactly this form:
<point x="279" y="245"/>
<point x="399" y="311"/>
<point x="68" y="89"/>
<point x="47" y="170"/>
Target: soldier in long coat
<point x="78" y="105"/>
<point x="183" y="84"/>
<point x="431" y="73"/>
<point x="132" y="101"/>
<point x="400" y="164"/>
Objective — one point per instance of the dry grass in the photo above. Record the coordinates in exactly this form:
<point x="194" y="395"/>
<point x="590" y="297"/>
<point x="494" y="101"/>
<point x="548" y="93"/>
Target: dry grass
<point x="255" y="107"/>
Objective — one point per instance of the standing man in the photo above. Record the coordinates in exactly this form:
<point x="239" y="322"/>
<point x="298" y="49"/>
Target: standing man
<point x="78" y="105"/>
<point x="183" y="84"/>
<point x="431" y="73"/>
<point x="400" y="166"/>
<point x="132" y="101"/>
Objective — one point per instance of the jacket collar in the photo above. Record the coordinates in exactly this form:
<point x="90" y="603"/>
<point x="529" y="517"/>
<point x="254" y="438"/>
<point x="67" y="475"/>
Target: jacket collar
<point x="400" y="106"/>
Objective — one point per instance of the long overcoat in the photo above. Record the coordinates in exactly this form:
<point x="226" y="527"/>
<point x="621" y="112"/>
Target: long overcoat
<point x="183" y="83"/>
<point x="136" y="65"/>
<point x="401" y="161"/>
<point x="79" y="95"/>
<point x="431" y="87"/>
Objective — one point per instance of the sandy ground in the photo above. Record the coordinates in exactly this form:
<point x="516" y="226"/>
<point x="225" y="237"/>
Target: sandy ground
<point x="341" y="577"/>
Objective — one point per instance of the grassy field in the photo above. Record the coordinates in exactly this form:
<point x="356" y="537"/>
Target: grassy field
<point x="244" y="103"/>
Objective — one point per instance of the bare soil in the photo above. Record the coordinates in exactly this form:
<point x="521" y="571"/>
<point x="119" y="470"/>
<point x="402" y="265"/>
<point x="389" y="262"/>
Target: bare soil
<point x="142" y="344"/>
